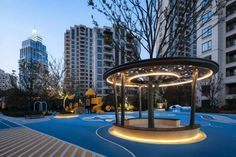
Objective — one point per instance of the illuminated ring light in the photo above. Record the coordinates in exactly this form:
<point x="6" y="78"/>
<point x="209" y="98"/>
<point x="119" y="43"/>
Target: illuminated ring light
<point x="159" y="136"/>
<point x="154" y="74"/>
<point x="206" y="69"/>
<point x="165" y="85"/>
<point x="190" y="81"/>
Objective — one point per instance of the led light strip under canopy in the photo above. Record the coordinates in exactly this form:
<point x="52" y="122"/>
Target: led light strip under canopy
<point x="163" y="71"/>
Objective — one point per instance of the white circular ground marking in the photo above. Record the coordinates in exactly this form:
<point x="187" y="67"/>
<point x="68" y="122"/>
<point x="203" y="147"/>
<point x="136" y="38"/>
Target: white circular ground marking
<point x="131" y="153"/>
<point x="102" y="118"/>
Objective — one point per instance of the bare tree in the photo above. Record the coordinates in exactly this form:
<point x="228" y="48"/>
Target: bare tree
<point x="152" y="19"/>
<point x="30" y="77"/>
<point x="163" y="29"/>
<point x="211" y="88"/>
<point x="55" y="77"/>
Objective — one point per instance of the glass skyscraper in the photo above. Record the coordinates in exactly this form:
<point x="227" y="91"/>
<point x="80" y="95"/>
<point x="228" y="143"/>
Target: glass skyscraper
<point x="33" y="50"/>
<point x="33" y="60"/>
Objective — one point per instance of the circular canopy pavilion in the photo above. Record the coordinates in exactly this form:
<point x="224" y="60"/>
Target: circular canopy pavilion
<point x="157" y="73"/>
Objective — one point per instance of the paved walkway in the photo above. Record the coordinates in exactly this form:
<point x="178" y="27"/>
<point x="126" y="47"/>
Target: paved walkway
<point x="20" y="141"/>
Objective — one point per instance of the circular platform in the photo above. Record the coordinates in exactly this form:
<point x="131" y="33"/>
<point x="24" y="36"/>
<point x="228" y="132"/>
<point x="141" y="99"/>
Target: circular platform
<point x="166" y="131"/>
<point x="153" y="74"/>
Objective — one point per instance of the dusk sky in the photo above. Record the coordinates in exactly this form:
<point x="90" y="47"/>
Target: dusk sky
<point x="51" y="18"/>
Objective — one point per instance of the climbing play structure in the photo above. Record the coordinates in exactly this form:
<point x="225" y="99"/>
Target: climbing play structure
<point x="72" y="103"/>
<point x="97" y="107"/>
<point x="94" y="100"/>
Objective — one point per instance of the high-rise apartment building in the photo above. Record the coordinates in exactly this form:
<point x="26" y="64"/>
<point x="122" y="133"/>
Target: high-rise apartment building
<point x="33" y="59"/>
<point x="175" y="43"/>
<point x="217" y="41"/>
<point x="78" y="58"/>
<point x="89" y="52"/>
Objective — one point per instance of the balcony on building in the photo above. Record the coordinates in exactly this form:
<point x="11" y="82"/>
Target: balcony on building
<point x="231" y="27"/>
<point x="82" y="57"/>
<point x="108" y="46"/>
<point x="231" y="89"/>
<point x="108" y="58"/>
<point x="107" y="51"/>
<point x="108" y="39"/>
<point x="82" y="33"/>
<point x="231" y="59"/>
<point x="82" y="62"/>
<point x="82" y="54"/>
<point x="230" y="74"/>
<point x="230" y="10"/>
<point x="231" y="43"/>
<point x="82" y="29"/>
<point x="107" y="65"/>
<point x="82" y="40"/>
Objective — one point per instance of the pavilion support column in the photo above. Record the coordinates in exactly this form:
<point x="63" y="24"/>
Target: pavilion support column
<point x="193" y="98"/>
<point x="116" y="101"/>
<point x="122" y="99"/>
<point x="140" y="101"/>
<point x="150" y="103"/>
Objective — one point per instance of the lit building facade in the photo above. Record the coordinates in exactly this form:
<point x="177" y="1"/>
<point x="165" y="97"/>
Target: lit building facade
<point x="175" y="44"/>
<point x="78" y="58"/>
<point x="89" y="52"/>
<point x="218" y="43"/>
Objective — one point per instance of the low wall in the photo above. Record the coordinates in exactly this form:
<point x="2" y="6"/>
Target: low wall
<point x="143" y="122"/>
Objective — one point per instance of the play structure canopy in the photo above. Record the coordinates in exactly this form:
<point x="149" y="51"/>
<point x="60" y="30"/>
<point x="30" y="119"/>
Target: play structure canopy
<point x="90" y="92"/>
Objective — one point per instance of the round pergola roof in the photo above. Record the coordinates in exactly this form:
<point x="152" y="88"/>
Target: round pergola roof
<point x="165" y="71"/>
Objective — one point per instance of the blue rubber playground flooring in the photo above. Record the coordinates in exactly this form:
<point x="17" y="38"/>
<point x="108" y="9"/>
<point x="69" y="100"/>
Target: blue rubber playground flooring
<point x="90" y="132"/>
<point x="4" y="124"/>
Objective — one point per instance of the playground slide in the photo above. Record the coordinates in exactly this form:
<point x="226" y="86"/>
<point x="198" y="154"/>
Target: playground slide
<point x="97" y="108"/>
